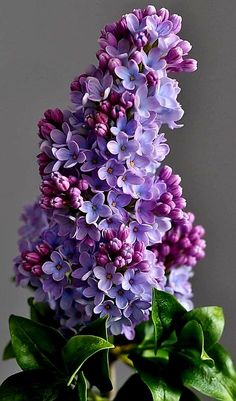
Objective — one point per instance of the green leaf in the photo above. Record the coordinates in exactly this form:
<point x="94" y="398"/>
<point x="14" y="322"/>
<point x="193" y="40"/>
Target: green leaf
<point x="96" y="368"/>
<point x="191" y="338"/>
<point x="166" y="311"/>
<point x="198" y="375"/>
<point x="40" y="312"/>
<point x="188" y="395"/>
<point x="134" y="389"/>
<point x="156" y="375"/>
<point x="211" y="319"/>
<point x="8" y="352"/>
<point x="34" y="385"/>
<point x="35" y="345"/>
<point x="81" y="387"/>
<point x="79" y="348"/>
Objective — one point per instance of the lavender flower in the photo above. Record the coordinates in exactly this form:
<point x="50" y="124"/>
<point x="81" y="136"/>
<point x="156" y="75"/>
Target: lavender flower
<point x="130" y="75"/>
<point x="111" y="171"/>
<point x="57" y="267"/>
<point x="107" y="276"/>
<point x="95" y="208"/>
<point x="122" y="147"/>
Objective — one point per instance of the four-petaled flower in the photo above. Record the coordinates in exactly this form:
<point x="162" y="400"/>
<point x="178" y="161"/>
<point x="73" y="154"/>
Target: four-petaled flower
<point x="71" y="155"/>
<point x="122" y="147"/>
<point x="138" y="232"/>
<point x="111" y="171"/>
<point x="107" y="276"/>
<point x="130" y="75"/>
<point x="58" y="267"/>
<point x="95" y="208"/>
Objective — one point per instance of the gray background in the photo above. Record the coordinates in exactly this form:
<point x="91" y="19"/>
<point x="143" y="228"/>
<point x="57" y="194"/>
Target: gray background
<point x="43" y="45"/>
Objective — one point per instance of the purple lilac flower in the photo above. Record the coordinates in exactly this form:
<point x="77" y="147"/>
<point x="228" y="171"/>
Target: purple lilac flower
<point x="122" y="147"/>
<point x="99" y="90"/>
<point x="144" y="103"/>
<point x="84" y="229"/>
<point x="153" y="60"/>
<point x="57" y="267"/>
<point x="54" y="288"/>
<point x="93" y="161"/>
<point x="130" y="75"/>
<point x="70" y="156"/>
<point x="86" y="265"/>
<point x="95" y="208"/>
<point x="107" y="308"/>
<point x="94" y="292"/>
<point x="117" y="201"/>
<point x="121" y="296"/>
<point x="107" y="276"/>
<point x="128" y="179"/>
<point x="136" y="310"/>
<point x="133" y="281"/>
<point x="111" y="171"/>
<point x="139" y="232"/>
<point x="122" y="125"/>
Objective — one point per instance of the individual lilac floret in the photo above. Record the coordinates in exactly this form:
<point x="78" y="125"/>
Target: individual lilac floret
<point x="122" y="147"/>
<point x="107" y="308"/>
<point x="111" y="171"/>
<point x="128" y="127"/>
<point x="138" y="232"/>
<point x="107" y="276"/>
<point x="93" y="291"/>
<point x="133" y="281"/>
<point x="122" y="297"/>
<point x="153" y="60"/>
<point x="70" y="156"/>
<point x="87" y="262"/>
<point x="84" y="229"/>
<point x="95" y="208"/>
<point x="99" y="90"/>
<point x="58" y="267"/>
<point x="130" y="75"/>
<point x="117" y="201"/>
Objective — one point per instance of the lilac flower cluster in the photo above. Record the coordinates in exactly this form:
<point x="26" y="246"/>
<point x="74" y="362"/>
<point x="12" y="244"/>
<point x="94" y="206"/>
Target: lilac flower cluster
<point x="110" y="224"/>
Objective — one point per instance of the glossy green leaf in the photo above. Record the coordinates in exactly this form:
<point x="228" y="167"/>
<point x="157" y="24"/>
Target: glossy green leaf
<point x="166" y="311"/>
<point x="96" y="369"/>
<point x="158" y="378"/>
<point x="134" y="389"/>
<point x="81" y="387"/>
<point x="35" y="345"/>
<point x="211" y="319"/>
<point x="8" y="352"/>
<point x="79" y="348"/>
<point x="198" y="375"/>
<point x="191" y="338"/>
<point x="40" y="312"/>
<point x="34" y="385"/>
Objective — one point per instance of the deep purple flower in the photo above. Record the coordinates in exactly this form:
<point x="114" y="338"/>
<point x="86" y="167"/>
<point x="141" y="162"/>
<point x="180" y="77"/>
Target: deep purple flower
<point x="93" y="160"/>
<point x="136" y="310"/>
<point x="130" y="75"/>
<point x="85" y="270"/>
<point x="107" y="276"/>
<point x="133" y="281"/>
<point x="95" y="208"/>
<point x="122" y="147"/>
<point x="58" y="267"/>
<point x="93" y="292"/>
<point x="122" y="296"/>
<point x="111" y="171"/>
<point x="54" y="288"/>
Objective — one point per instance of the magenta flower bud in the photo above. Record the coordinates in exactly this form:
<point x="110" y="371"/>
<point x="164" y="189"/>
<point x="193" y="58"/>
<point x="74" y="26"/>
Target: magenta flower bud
<point x="46" y="188"/>
<point x="163" y="13"/>
<point x="43" y="249"/>
<point x="177" y="22"/>
<point x="108" y="234"/>
<point x="181" y="260"/>
<point x="123" y="232"/>
<point x="113" y="63"/>
<point x="185" y="243"/>
<point x="37" y="270"/>
<point x="139" y="246"/>
<point x="119" y="262"/>
<point x="136" y="56"/>
<point x="166" y="197"/>
<point x="138" y="257"/>
<point x="117" y="111"/>
<point x="83" y="185"/>
<point x="165" y="173"/>
<point x="143" y="266"/>
<point x="115" y="245"/>
<point x="101" y="129"/>
<point x="176" y="190"/>
<point x="32" y="257"/>
<point x="200" y="230"/>
<point x="76" y="200"/>
<point x="114" y="98"/>
<point x="73" y="180"/>
<point x="26" y="266"/>
<point x="45" y="202"/>
<point x="180" y="203"/>
<point x="127" y="99"/>
<point x="45" y="129"/>
<point x="55" y="115"/>
<point x="138" y="12"/>
<point x="61" y="181"/>
<point x="58" y="203"/>
<point x="150" y="10"/>
<point x="189" y="65"/>
<point x="175" y="55"/>
<point x="101" y="118"/>
<point x="140" y="40"/>
<point x="103" y="60"/>
<point x="173" y="179"/>
<point x="162" y="209"/>
<point x="102" y="259"/>
<point x="105" y="106"/>
<point x="173" y="236"/>
<point x="164" y="249"/>
<point x="152" y="78"/>
<point x="176" y="214"/>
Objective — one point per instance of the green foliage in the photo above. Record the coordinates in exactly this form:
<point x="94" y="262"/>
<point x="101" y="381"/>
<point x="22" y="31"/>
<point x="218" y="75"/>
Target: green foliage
<point x="78" y="349"/>
<point x="8" y="352"/>
<point x="174" y="355"/>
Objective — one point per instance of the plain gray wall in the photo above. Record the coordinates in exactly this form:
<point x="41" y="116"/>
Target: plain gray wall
<point x="43" y="45"/>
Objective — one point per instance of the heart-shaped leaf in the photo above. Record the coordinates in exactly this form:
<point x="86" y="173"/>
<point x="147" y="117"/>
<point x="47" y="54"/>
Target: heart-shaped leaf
<point x="166" y="311"/>
<point x="96" y="369"/>
<point x="79" y="348"/>
<point x="35" y="345"/>
<point x="34" y="385"/>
